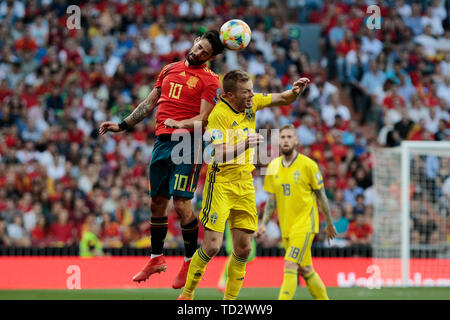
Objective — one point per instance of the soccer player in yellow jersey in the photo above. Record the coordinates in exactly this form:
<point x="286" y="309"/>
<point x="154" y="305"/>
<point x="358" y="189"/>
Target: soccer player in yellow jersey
<point x="229" y="193"/>
<point x="294" y="184"/>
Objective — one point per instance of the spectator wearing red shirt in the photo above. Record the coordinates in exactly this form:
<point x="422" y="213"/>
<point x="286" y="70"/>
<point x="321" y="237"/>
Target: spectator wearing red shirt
<point x="330" y="13"/>
<point x="26" y="42"/>
<point x="39" y="232"/>
<point x="76" y="135"/>
<point x="29" y="96"/>
<point x="340" y="124"/>
<point x="111" y="235"/>
<point x="347" y="44"/>
<point x="338" y="149"/>
<point x="62" y="231"/>
<point x="419" y="132"/>
<point x="360" y="234"/>
<point x="318" y="148"/>
<point x="12" y="137"/>
<point x="70" y="54"/>
<point x="342" y="178"/>
<point x="393" y="99"/>
<point x="355" y="19"/>
<point x="139" y="133"/>
<point x="431" y="98"/>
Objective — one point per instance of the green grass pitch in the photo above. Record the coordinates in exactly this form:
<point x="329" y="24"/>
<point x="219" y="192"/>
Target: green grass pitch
<point x="424" y="293"/>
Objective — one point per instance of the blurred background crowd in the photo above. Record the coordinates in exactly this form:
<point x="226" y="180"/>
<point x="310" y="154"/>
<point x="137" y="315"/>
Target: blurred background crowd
<point x="60" y="179"/>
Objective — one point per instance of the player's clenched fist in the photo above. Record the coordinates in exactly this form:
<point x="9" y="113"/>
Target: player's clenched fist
<point x="300" y="85"/>
<point x="254" y="139"/>
<point x="108" y="126"/>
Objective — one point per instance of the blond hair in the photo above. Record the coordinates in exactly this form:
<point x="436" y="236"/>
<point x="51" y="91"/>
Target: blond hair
<point x="287" y="126"/>
<point x="231" y="79"/>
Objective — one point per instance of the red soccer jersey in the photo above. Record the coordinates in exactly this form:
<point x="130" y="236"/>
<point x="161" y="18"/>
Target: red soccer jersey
<point x="360" y="232"/>
<point x="182" y="89"/>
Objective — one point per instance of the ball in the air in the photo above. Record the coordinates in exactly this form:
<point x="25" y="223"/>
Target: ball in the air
<point x="235" y="34"/>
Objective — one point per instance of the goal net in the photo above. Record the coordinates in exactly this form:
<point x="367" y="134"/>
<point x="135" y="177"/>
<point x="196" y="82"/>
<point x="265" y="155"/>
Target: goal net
<point x="411" y="214"/>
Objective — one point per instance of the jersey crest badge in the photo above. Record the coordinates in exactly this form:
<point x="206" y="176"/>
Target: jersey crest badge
<point x="192" y="82"/>
<point x="296" y="176"/>
<point x="213" y="218"/>
<point x="249" y="114"/>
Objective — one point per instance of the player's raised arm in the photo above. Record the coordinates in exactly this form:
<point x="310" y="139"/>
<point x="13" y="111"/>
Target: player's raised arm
<point x="143" y="110"/>
<point x="289" y="96"/>
<point x="325" y="207"/>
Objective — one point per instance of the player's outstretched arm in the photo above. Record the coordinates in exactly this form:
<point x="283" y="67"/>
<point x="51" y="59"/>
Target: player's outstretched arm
<point x="325" y="207"/>
<point x="289" y="96"/>
<point x="205" y="109"/>
<point x="144" y="109"/>
<point x="269" y="209"/>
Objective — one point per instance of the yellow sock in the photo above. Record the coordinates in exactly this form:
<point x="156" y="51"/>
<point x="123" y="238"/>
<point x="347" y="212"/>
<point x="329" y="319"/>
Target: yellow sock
<point x="223" y="276"/>
<point x="196" y="269"/>
<point x="289" y="285"/>
<point x="315" y="286"/>
<point x="235" y="276"/>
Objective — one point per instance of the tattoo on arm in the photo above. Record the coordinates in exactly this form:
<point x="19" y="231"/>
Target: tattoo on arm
<point x="323" y="203"/>
<point x="144" y="108"/>
<point x="269" y="208"/>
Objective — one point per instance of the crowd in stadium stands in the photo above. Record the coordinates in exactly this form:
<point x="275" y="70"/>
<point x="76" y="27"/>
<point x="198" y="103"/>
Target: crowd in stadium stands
<point x="59" y="178"/>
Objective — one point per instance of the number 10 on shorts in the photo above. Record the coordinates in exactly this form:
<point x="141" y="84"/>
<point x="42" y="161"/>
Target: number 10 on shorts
<point x="180" y="182"/>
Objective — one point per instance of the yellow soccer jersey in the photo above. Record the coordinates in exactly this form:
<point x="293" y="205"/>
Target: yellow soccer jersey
<point x="293" y="188"/>
<point x="226" y="125"/>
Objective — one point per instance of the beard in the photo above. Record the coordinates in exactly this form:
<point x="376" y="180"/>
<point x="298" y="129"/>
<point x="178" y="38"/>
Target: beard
<point x="192" y="61"/>
<point x="287" y="152"/>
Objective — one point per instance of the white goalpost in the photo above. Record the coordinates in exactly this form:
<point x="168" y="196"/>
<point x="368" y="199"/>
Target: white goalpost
<point x="411" y="214"/>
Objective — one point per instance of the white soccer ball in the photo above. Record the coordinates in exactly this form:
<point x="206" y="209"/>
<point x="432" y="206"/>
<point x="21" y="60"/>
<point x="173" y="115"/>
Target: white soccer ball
<point x="235" y="34"/>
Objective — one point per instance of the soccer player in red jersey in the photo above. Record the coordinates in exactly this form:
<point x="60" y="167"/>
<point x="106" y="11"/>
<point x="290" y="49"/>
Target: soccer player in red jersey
<point x="185" y="92"/>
